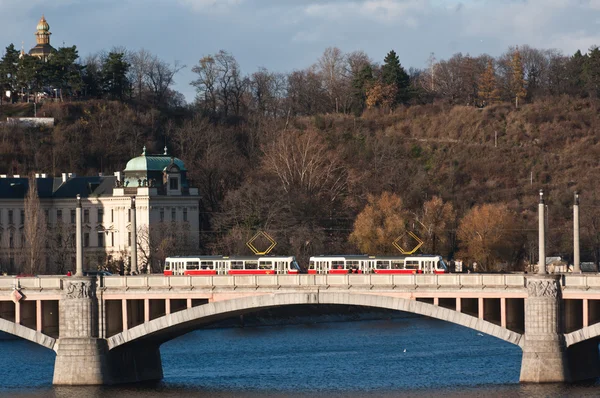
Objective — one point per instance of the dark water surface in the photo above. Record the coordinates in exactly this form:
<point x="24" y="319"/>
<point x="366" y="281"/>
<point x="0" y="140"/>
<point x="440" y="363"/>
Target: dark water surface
<point x="352" y="359"/>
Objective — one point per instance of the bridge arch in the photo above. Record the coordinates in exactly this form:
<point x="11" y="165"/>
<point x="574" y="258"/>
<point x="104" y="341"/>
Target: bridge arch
<point x="583" y="334"/>
<point x="27" y="334"/>
<point x="170" y="326"/>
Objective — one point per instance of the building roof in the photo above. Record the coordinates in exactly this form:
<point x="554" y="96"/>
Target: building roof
<point x="153" y="162"/>
<point x="41" y="49"/>
<point x="16" y="188"/>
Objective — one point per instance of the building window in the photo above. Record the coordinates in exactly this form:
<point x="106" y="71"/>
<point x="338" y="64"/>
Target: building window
<point x="162" y="215"/>
<point x="100" y="216"/>
<point x="173" y="214"/>
<point x="112" y="215"/>
<point x="173" y="183"/>
<point x="112" y="239"/>
<point x="128" y="238"/>
<point x="185" y="214"/>
<point x="10" y="217"/>
<point x="129" y="215"/>
<point x="86" y="240"/>
<point x="11" y="241"/>
<point x="22" y="217"/>
<point x="100" y="239"/>
<point x="73" y="215"/>
<point x="59" y="215"/>
<point x="86" y="216"/>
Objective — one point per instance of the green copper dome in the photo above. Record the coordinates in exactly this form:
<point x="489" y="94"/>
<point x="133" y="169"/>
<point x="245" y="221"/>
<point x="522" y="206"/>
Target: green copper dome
<point x="153" y="162"/>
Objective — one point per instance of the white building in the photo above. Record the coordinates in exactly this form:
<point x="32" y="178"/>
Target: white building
<point x="167" y="213"/>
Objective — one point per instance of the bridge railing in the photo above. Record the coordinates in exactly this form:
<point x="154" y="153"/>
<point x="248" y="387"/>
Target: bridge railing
<point x="355" y="281"/>
<point x="351" y="281"/>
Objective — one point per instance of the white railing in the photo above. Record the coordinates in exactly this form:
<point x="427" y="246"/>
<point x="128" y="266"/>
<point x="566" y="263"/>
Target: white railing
<point x="289" y="281"/>
<point x="354" y="281"/>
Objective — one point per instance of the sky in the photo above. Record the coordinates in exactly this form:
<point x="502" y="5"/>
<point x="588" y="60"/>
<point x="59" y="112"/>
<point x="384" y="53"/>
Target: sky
<point x="288" y="35"/>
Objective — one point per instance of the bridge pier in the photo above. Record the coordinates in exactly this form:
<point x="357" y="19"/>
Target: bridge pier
<point x="82" y="358"/>
<point x="545" y="358"/>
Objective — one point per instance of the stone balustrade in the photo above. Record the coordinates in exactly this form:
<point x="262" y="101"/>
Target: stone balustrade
<point x="350" y="281"/>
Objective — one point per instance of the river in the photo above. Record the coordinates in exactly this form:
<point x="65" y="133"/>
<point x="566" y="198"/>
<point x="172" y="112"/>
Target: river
<point x="414" y="357"/>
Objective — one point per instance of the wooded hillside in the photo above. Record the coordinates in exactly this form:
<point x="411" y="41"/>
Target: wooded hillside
<point x="305" y="179"/>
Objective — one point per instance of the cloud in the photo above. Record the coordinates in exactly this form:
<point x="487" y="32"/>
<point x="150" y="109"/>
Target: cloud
<point x="211" y="5"/>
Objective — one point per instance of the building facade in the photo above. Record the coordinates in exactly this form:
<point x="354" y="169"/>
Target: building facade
<point x="167" y="217"/>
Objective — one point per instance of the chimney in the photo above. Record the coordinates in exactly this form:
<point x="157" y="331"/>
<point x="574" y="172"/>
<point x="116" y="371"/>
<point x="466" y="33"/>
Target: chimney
<point x="119" y="175"/>
<point x="64" y="177"/>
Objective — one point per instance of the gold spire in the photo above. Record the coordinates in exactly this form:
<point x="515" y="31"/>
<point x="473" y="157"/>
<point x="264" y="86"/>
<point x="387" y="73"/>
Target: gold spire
<point x="43" y="31"/>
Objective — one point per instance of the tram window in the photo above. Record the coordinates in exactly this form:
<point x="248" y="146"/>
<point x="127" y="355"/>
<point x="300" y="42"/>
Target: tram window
<point x="167" y="266"/>
<point x="337" y="265"/>
<point x="206" y="265"/>
<point x="352" y="264"/>
<point x="237" y="265"/>
<point x="193" y="265"/>
<point x="311" y="265"/>
<point x="265" y="265"/>
<point x="251" y="265"/>
<point x="383" y="265"/>
<point x="398" y="264"/>
<point x="412" y="264"/>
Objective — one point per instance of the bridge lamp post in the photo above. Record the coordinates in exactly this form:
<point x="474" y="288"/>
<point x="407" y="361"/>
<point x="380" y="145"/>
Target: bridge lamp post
<point x="541" y="236"/>
<point x="78" y="239"/>
<point x="133" y="243"/>
<point x="576" y="259"/>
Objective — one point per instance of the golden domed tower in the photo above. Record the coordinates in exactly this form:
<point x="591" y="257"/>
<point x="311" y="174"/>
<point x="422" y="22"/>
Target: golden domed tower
<point x="43" y="49"/>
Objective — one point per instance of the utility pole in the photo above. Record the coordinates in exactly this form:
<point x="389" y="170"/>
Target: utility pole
<point x="576" y="260"/>
<point x="134" y="263"/>
<point x="78" y="239"/>
<point x="541" y="236"/>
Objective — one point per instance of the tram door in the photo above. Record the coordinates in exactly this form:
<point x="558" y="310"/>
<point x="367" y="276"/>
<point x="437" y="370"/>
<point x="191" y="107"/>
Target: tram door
<point x="322" y="267"/>
<point x="428" y="267"/>
<point x="221" y="268"/>
<point x="281" y="267"/>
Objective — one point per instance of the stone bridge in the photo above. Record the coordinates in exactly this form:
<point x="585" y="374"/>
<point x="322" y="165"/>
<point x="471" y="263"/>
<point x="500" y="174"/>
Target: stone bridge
<point x="109" y="330"/>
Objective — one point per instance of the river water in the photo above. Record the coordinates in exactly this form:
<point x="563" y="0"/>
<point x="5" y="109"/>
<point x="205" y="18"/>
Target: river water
<point x="414" y="357"/>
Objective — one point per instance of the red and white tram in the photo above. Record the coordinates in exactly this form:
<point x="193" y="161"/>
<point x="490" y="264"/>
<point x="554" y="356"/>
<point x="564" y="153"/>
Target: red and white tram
<point x="230" y="265"/>
<point x="364" y="264"/>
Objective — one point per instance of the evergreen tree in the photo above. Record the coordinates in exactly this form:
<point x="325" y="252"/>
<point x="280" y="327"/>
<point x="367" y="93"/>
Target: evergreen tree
<point x="30" y="75"/>
<point x="392" y="73"/>
<point x="487" y="89"/>
<point x="114" y="75"/>
<point x="591" y="72"/>
<point x="64" y="72"/>
<point x="8" y="71"/>
<point x="575" y="73"/>
<point x="517" y="81"/>
<point x="360" y="85"/>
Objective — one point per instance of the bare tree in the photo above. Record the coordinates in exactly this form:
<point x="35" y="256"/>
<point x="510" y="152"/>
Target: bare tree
<point x="303" y="161"/>
<point x="34" y="228"/>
